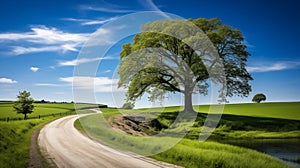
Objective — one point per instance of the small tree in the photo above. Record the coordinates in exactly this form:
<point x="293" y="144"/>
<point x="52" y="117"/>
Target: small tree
<point x="128" y="105"/>
<point x="259" y="97"/>
<point x="24" y="104"/>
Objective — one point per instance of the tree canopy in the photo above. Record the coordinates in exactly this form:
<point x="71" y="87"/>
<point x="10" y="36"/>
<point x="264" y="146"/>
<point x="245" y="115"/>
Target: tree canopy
<point x="170" y="64"/>
<point x="259" y="97"/>
<point x="24" y="104"/>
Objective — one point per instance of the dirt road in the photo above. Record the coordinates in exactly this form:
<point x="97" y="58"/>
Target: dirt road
<point x="65" y="146"/>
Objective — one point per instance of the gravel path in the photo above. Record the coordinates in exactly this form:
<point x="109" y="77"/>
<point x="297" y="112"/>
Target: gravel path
<point x="62" y="144"/>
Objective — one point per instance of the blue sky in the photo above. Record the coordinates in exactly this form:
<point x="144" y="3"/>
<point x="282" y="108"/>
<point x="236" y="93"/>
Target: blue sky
<point x="40" y="42"/>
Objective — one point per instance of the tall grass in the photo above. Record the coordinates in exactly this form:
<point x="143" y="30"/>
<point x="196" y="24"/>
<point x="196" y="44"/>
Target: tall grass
<point x="187" y="153"/>
<point x="15" y="141"/>
<point x="15" y="135"/>
<point x="265" y="120"/>
<point x="195" y="154"/>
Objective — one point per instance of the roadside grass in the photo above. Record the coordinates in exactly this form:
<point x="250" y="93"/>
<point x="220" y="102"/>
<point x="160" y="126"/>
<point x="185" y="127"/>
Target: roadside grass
<point x="239" y="121"/>
<point x="15" y="134"/>
<point x="236" y="121"/>
<point x="15" y="141"/>
<point x="187" y="153"/>
<point x="194" y="154"/>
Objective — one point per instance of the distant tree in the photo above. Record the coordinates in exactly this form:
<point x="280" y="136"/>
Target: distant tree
<point x="24" y="104"/>
<point x="128" y="105"/>
<point x="43" y="101"/>
<point x="259" y="97"/>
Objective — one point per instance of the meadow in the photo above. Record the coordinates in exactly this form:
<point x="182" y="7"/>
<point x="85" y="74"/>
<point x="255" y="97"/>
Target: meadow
<point x="15" y="134"/>
<point x="40" y="109"/>
<point x="282" y="110"/>
<point x="239" y="121"/>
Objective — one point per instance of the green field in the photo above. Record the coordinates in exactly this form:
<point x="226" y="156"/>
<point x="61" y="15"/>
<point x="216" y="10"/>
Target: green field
<point x="282" y="110"/>
<point x="6" y="110"/>
<point x="15" y="134"/>
<point x="15" y="140"/>
<point x="239" y="121"/>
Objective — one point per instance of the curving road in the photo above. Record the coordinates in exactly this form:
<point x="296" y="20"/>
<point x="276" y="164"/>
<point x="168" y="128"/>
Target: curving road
<point x="62" y="144"/>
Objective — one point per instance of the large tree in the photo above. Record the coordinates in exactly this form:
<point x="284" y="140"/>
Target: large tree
<point x="24" y="104"/>
<point x="188" y="71"/>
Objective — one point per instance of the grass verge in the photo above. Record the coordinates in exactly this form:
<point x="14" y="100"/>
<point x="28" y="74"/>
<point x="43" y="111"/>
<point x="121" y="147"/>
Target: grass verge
<point x="15" y="135"/>
<point x="187" y="153"/>
<point x="15" y="141"/>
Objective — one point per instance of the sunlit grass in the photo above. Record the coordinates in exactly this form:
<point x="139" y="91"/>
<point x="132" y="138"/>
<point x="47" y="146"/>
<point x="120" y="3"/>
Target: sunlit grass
<point x="15" y="134"/>
<point x="187" y="153"/>
<point x="239" y="121"/>
<point x="15" y="141"/>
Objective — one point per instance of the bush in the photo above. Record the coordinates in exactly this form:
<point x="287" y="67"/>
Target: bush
<point x="128" y="105"/>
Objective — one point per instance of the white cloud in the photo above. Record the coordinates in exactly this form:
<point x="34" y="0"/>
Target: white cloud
<point x="104" y="36"/>
<point x="79" y="61"/>
<point x="274" y="66"/>
<point x="69" y="47"/>
<point x="7" y="80"/>
<point x="26" y="50"/>
<point x="107" y="9"/>
<point x="97" y="22"/>
<point x="107" y="71"/>
<point x="75" y="20"/>
<point x="48" y="39"/>
<point x="149" y="4"/>
<point x="87" y="22"/>
<point x="46" y="84"/>
<point x="34" y="69"/>
<point x="97" y="84"/>
<point x="46" y="35"/>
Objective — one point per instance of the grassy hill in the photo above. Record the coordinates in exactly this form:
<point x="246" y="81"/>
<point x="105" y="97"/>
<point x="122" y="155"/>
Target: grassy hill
<point x="283" y="110"/>
<point x="239" y="121"/>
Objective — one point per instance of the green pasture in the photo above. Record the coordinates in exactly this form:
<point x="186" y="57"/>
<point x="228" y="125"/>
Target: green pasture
<point x="187" y="153"/>
<point x="15" y="134"/>
<point x="282" y="110"/>
<point x="239" y="121"/>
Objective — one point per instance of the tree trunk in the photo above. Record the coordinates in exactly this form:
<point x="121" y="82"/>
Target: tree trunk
<point x="188" y="105"/>
<point x="25" y="116"/>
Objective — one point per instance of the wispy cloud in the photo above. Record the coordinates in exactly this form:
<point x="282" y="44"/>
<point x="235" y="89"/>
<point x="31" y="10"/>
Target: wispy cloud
<point x="97" y="84"/>
<point x="79" y="61"/>
<point x="34" y="69"/>
<point x="46" y="35"/>
<point x="7" y="80"/>
<point x="105" y="36"/>
<point x="149" y="5"/>
<point x="75" y="19"/>
<point x="112" y="8"/>
<point x="87" y="22"/>
<point x="25" y="50"/>
<point x="45" y="39"/>
<point x="278" y="66"/>
<point x="97" y="22"/>
<point x="108" y="8"/>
